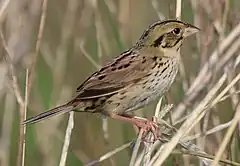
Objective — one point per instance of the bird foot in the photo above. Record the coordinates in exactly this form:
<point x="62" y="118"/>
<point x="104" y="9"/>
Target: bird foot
<point x="143" y="124"/>
<point x="147" y="126"/>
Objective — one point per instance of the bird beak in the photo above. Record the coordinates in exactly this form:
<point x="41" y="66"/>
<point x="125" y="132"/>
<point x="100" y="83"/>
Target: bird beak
<point x="190" y="30"/>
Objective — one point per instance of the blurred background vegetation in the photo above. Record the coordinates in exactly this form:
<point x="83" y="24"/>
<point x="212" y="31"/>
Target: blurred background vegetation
<point x="78" y="37"/>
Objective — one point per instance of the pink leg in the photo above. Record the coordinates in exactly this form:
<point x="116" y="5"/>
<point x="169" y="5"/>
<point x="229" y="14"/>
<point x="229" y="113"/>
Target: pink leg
<point x="144" y="124"/>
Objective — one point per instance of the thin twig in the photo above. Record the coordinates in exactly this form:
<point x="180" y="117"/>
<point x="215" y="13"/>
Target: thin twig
<point x="58" y="70"/>
<point x="158" y="108"/>
<point x="8" y="61"/>
<point x="178" y="9"/>
<point x="206" y="156"/>
<point x="225" y="90"/>
<point x="148" y="146"/>
<point x="24" y="117"/>
<point x="155" y="7"/>
<point x="228" y="136"/>
<point x="4" y="5"/>
<point x="109" y="154"/>
<point x="154" y="158"/>
<point x="188" y="124"/>
<point x="205" y="74"/>
<point x="167" y="132"/>
<point x="181" y="64"/>
<point x="100" y="32"/>
<point x="196" y="116"/>
<point x="140" y="158"/>
<point x="38" y="43"/>
<point x="95" y="64"/>
<point x="136" y="148"/>
<point x="67" y="139"/>
<point x="208" y="106"/>
<point x="7" y="127"/>
<point x="29" y="83"/>
<point x="211" y="131"/>
<point x="195" y="149"/>
<point x="19" y="98"/>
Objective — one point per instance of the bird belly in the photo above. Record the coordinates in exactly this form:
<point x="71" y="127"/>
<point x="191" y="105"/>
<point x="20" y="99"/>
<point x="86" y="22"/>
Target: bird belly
<point x="142" y="93"/>
<point x="153" y="90"/>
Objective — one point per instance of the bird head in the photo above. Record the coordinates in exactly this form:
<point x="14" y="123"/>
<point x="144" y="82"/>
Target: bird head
<point x="166" y="35"/>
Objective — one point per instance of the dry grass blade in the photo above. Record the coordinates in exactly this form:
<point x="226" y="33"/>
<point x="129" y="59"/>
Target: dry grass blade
<point x="7" y="127"/>
<point x="136" y="148"/>
<point x="226" y="89"/>
<point x="24" y="115"/>
<point x="208" y="106"/>
<point x="228" y="136"/>
<point x="191" y="148"/>
<point x="4" y="5"/>
<point x="109" y="154"/>
<point x="181" y="64"/>
<point x="167" y="133"/>
<point x="29" y="83"/>
<point x="155" y="6"/>
<point x="178" y="9"/>
<point x="61" y="42"/>
<point x="16" y="89"/>
<point x="206" y="156"/>
<point x="38" y="43"/>
<point x="155" y="157"/>
<point x="8" y="61"/>
<point x="195" y="149"/>
<point x="95" y="64"/>
<point x="211" y="131"/>
<point x="67" y="139"/>
<point x="158" y="108"/>
<point x="149" y="145"/>
<point x="140" y="158"/>
<point x="205" y="74"/>
<point x="195" y="116"/>
<point x="60" y="69"/>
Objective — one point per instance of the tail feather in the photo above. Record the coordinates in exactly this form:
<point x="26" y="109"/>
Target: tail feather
<point x="55" y="111"/>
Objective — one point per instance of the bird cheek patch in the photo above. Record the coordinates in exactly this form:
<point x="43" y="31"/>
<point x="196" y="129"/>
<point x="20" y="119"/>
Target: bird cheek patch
<point x="158" y="42"/>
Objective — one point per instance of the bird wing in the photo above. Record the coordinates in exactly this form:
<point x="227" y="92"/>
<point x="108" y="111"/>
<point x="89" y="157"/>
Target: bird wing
<point x="123" y="71"/>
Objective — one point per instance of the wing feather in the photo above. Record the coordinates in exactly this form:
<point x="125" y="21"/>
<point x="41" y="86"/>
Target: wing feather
<point x="122" y="72"/>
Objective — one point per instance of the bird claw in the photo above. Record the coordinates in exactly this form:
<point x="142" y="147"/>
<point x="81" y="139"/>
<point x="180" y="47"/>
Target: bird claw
<point x="143" y="124"/>
<point x="147" y="126"/>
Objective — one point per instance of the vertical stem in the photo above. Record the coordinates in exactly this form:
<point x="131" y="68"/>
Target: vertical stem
<point x="67" y="139"/>
<point x="136" y="148"/>
<point x="227" y="137"/>
<point x="38" y="43"/>
<point x="178" y="9"/>
<point x="24" y="117"/>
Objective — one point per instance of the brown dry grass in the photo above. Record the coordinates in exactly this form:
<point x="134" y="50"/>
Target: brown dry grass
<point x="50" y="47"/>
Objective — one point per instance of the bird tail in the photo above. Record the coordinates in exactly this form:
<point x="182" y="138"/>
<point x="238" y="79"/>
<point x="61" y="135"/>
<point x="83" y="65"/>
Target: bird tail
<point x="55" y="111"/>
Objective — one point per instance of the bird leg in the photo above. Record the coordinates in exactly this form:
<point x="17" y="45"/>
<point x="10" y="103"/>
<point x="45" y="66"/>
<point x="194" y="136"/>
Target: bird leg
<point x="142" y="123"/>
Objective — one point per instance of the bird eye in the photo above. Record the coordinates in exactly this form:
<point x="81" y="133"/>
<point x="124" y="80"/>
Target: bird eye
<point x="176" y="31"/>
